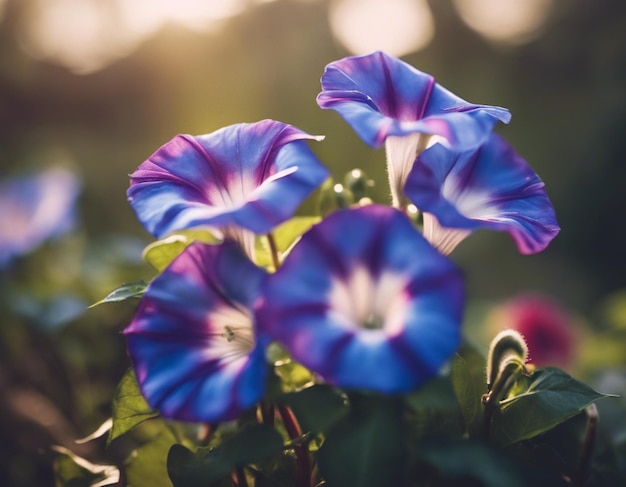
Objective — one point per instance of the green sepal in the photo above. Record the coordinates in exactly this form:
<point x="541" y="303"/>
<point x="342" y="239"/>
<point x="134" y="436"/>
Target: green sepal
<point x="285" y="236"/>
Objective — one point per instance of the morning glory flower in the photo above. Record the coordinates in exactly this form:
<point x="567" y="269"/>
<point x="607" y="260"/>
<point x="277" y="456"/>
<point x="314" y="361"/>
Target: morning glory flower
<point x="35" y="208"/>
<point x="491" y="187"/>
<point x="244" y="176"/>
<point x="366" y="302"/>
<point x="385" y="100"/>
<point x="193" y="341"/>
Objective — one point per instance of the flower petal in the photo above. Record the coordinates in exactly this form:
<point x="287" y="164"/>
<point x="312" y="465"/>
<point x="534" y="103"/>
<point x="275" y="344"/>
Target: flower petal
<point x="379" y="96"/>
<point x="193" y="341"/>
<point x="365" y="302"/>
<point x="252" y="176"/>
<point x="491" y="187"/>
<point x="34" y="209"/>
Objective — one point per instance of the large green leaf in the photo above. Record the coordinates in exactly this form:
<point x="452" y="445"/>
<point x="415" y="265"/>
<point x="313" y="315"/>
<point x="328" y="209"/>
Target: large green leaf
<point x="124" y="292"/>
<point x="316" y="407"/>
<point x="550" y="396"/>
<point x="435" y="409"/>
<point x="161" y="253"/>
<point x="461" y="462"/>
<point x="130" y="409"/>
<point x="254" y="443"/>
<point x="147" y="465"/>
<point x="469" y="383"/>
<point x="367" y="447"/>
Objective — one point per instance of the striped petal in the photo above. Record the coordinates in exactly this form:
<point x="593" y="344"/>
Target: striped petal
<point x="250" y="176"/>
<point x="491" y="187"/>
<point x="365" y="302"/>
<point x="385" y="100"/>
<point x="193" y="340"/>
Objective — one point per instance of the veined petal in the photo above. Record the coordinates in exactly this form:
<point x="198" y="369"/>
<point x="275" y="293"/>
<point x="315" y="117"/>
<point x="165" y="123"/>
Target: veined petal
<point x="35" y="208"/>
<point x="491" y="187"/>
<point x="252" y="176"/>
<point x="193" y="341"/>
<point x="365" y="302"/>
<point x="381" y="96"/>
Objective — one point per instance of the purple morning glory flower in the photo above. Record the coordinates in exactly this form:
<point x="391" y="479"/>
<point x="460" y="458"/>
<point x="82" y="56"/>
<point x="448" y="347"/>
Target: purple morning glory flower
<point x="193" y="340"/>
<point x="35" y="208"/>
<point x="490" y="187"/>
<point x="246" y="176"/>
<point x="385" y="100"/>
<point x="366" y="302"/>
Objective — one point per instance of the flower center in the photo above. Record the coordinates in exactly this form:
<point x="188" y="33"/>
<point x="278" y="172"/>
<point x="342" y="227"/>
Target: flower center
<point x="362" y="301"/>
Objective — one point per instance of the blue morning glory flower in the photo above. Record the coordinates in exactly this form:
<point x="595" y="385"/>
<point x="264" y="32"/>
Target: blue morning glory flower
<point x="490" y="187"/>
<point x="366" y="302"/>
<point x="193" y="340"/>
<point x="245" y="176"/>
<point x="385" y="100"/>
<point x="35" y="208"/>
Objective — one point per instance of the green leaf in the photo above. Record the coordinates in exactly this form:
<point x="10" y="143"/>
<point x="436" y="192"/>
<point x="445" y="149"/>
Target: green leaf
<point x="436" y="409"/>
<point x="316" y="407"/>
<point x="550" y="396"/>
<point x="124" y="292"/>
<point x="254" y="443"/>
<point x="285" y="236"/>
<point x="130" y="409"/>
<point x="367" y="447"/>
<point x="147" y="465"/>
<point x="462" y="460"/>
<point x="161" y="253"/>
<point x="469" y="383"/>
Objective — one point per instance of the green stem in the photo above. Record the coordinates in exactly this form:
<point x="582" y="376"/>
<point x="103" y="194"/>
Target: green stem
<point x="273" y="251"/>
<point x="586" y="452"/>
<point x="510" y="370"/>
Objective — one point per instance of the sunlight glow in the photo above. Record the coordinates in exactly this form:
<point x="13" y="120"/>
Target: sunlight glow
<point x="398" y="27"/>
<point x="87" y="35"/>
<point x="505" y="21"/>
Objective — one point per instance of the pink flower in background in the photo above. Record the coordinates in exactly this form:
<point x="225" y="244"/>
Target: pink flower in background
<point x="545" y="325"/>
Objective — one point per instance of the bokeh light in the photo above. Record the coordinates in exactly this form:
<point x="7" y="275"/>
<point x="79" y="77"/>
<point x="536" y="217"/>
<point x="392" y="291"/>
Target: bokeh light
<point x="87" y="35"/>
<point x="397" y="27"/>
<point x="508" y="22"/>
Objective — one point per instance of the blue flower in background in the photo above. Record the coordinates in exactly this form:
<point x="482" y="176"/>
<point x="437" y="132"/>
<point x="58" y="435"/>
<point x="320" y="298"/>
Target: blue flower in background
<point x="385" y="100"/>
<point x="193" y="341"/>
<point x="366" y="302"/>
<point x="244" y="176"/>
<point x="490" y="187"/>
<point x="35" y="208"/>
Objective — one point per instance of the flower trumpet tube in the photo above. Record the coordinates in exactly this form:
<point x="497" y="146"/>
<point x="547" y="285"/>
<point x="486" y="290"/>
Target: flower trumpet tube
<point x="491" y="187"/>
<point x="387" y="101"/>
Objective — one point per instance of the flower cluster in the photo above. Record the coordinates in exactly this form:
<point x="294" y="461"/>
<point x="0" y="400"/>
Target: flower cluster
<point x="366" y="298"/>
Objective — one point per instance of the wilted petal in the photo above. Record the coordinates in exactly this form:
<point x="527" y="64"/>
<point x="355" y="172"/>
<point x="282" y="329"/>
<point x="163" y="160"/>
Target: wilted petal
<point x="251" y="176"/>
<point x="382" y="97"/>
<point x="364" y="301"/>
<point x="35" y="208"/>
<point x="193" y="340"/>
<point x="491" y="187"/>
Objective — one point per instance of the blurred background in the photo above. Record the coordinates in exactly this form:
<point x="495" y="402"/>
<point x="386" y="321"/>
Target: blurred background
<point x="96" y="86"/>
